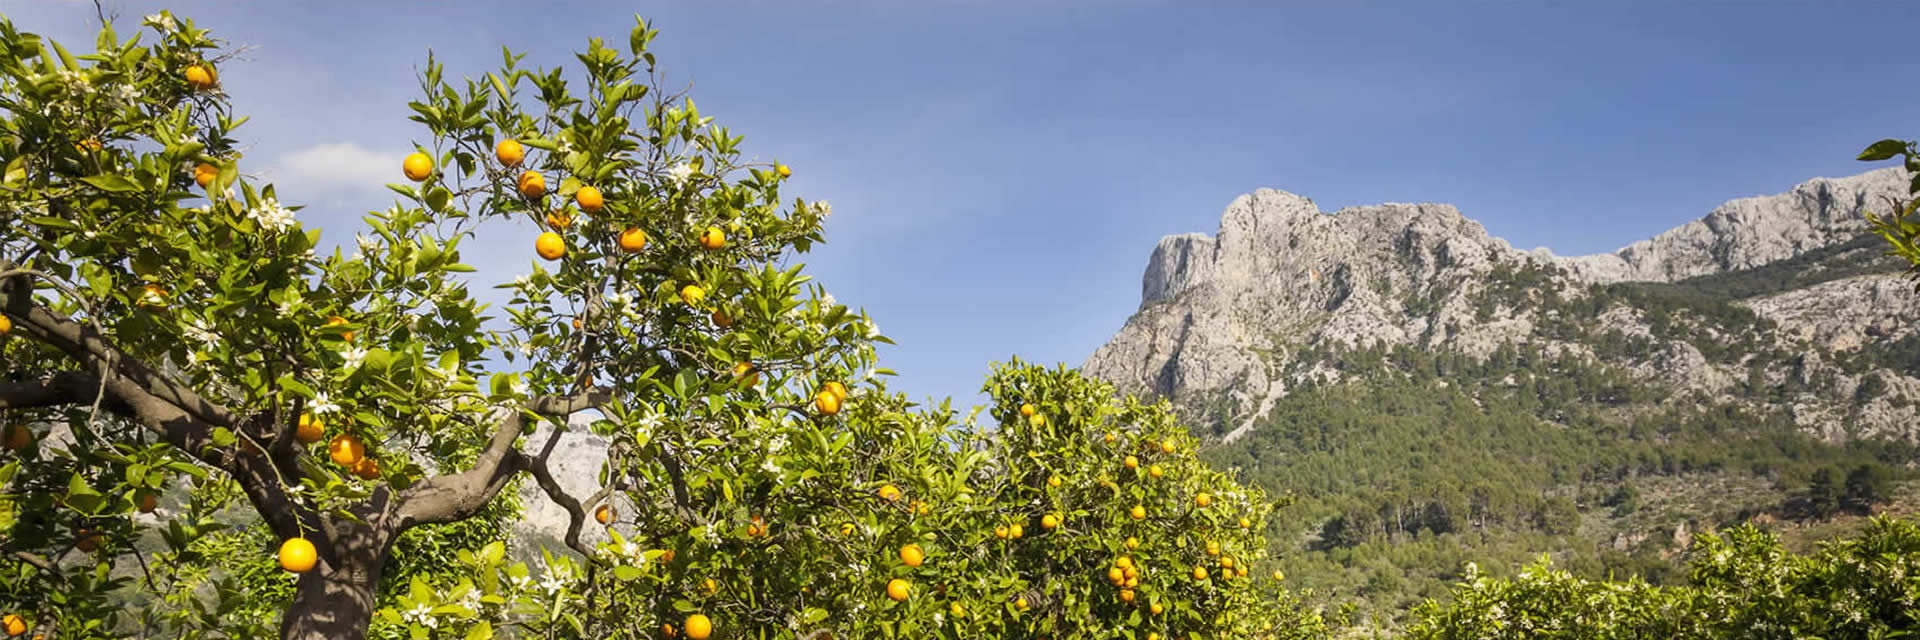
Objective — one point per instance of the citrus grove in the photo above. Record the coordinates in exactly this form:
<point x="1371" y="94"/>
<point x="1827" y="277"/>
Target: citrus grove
<point x="215" y="429"/>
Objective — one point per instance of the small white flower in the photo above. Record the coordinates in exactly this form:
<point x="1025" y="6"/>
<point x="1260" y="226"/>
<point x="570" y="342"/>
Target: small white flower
<point x="366" y="244"/>
<point x="471" y="599"/>
<point x="322" y="404"/>
<point x="827" y="300"/>
<point x="553" y="582"/>
<point x="421" y="614"/>
<point x="940" y="620"/>
<point x="271" y="216"/>
<point x="161" y="21"/>
<point x="822" y="209"/>
<point x="127" y="93"/>
<point x="769" y="466"/>
<point x="517" y="385"/>
<point x="520" y="582"/>
<point x="199" y="331"/>
<point x="632" y="550"/>
<point x="681" y="172"/>
<point x="873" y="330"/>
<point x="356" y="257"/>
<point x="617" y="299"/>
<point x="354" y="356"/>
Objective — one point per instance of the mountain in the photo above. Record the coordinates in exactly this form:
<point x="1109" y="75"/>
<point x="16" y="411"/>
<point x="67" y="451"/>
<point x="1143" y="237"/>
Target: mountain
<point x="1431" y="396"/>
<point x="1220" y="314"/>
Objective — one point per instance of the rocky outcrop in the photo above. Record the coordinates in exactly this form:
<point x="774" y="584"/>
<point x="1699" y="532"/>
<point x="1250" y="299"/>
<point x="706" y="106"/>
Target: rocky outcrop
<point x="1219" y="314"/>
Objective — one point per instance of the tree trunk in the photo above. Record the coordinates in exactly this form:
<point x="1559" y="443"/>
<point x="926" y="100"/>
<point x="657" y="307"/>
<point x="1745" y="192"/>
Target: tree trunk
<point x="335" y="600"/>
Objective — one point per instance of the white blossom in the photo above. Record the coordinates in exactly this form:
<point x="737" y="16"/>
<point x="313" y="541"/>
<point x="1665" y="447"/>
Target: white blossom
<point x="354" y="356"/>
<point x="681" y="172"/>
<point x="322" y="404"/>
<point x="127" y="93"/>
<point x="199" y="331"/>
<point x="767" y="464"/>
<point x="516" y="384"/>
<point x="271" y="216"/>
<point x="421" y="614"/>
<point x="161" y="21"/>
<point x="827" y="300"/>
<point x="822" y="209"/>
<point x="873" y="330"/>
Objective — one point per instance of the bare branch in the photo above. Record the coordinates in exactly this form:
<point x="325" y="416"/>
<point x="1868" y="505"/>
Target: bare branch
<point x="456" y="496"/>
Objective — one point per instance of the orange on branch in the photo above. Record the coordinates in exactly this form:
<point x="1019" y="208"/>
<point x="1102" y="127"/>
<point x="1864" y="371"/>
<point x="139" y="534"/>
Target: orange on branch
<point x="603" y="515"/>
<point x="1049" y="521"/>
<point x="298" y="555"/>
<point x="509" y="152"/>
<point x="912" y="555"/>
<point x="692" y="295"/>
<point x="204" y="174"/>
<point x="1017" y="531"/>
<point x="531" y="184"/>
<point x="558" y="220"/>
<point x="1131" y="462"/>
<point x="698" y="627"/>
<point x="1027" y="410"/>
<point x="589" y="199"/>
<point x="713" y="238"/>
<point x="550" y="246"/>
<point x="898" y="589"/>
<point x="783" y="171"/>
<point x="201" y="77"/>
<point x="15" y="624"/>
<point x="1139" y="512"/>
<point x="148" y="502"/>
<point x="838" y="389"/>
<point x="826" y="402"/>
<point x="1203" y="500"/>
<point x="633" y="240"/>
<point x="889" y="493"/>
<point x="367" y="469"/>
<point x="417" y="166"/>
<point x="346" y="450"/>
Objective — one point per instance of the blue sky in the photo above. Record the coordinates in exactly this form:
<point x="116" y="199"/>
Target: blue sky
<point x="999" y="171"/>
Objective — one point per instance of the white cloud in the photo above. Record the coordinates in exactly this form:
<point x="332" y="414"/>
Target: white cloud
<point x="339" y="164"/>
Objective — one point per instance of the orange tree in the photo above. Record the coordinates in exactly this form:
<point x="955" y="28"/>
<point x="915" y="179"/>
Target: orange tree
<point x="165" y="317"/>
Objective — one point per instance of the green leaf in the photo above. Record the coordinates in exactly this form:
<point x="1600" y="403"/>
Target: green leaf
<point x="113" y="183"/>
<point x="290" y="384"/>
<point x="1883" y="149"/>
<point x="438" y="197"/>
<point x="626" y="573"/>
<point x="222" y="437"/>
<point x="481" y="631"/>
<point x="57" y="223"/>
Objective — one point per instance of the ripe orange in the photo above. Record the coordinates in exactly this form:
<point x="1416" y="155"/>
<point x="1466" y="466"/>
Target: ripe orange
<point x="203" y="174"/>
<point x="827" y="402"/>
<point x="1000" y="532"/>
<point x="1245" y="523"/>
<point x="367" y="469"/>
<point x="417" y="166"/>
<point x="201" y="77"/>
<point x="722" y="320"/>
<point x="1049" y="521"/>
<point x="889" y="493"/>
<point x="698" y="627"/>
<point x="1116" y="575"/>
<point x="1124" y="563"/>
<point x="1131" y="462"/>
<point x="666" y="629"/>
<point x="783" y="170"/>
<point x="346" y="450"/>
<point x="1155" y="608"/>
<point x="15" y="624"/>
<point x="312" y="429"/>
<point x="1020" y="603"/>
<point x="298" y="555"/>
<point x="837" y="389"/>
<point x="757" y="528"/>
<point x="955" y="609"/>
<point x="148" y="502"/>
<point x="1226" y="562"/>
<point x="692" y="295"/>
<point x="550" y="246"/>
<point x="1027" y="410"/>
<point x="1037" y="420"/>
<point x="1166" y="446"/>
<point x="666" y="556"/>
<point x="589" y="199"/>
<point x="1109" y="437"/>
<point x="899" y="589"/>
<point x="1133" y="543"/>
<point x="1213" y="547"/>
<point x="531" y="184"/>
<point x="633" y="240"/>
<point x="1240" y="571"/>
<point x="747" y="370"/>
<point x="1279" y="576"/>
<point x="912" y="555"/>
<point x="1053" y="480"/>
<point x="1126" y="595"/>
<point x="713" y="238"/>
<point x="1155" y="471"/>
<point x="558" y="220"/>
<point x="1199" y="573"/>
<point x="335" y="321"/>
<point x="1139" y="512"/>
<point x="18" y="437"/>
<point x="710" y="585"/>
<point x="1016" y="531"/>
<point x="1203" y="500"/>
<point x="509" y="152"/>
<point x="603" y="515"/>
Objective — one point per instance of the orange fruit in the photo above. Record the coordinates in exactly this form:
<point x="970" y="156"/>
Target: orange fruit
<point x="1109" y="437"/>
<point x="698" y="627"/>
<point x="1155" y="608"/>
<point x="203" y="174"/>
<point x="1155" y="471"/>
<point x="1133" y="543"/>
<point x="1020" y="603"/>
<point x="335" y="321"/>
<point x="310" y="429"/>
<point x="1126" y="595"/>
<point x="1166" y="446"/>
<point x="509" y="152"/>
<point x="1240" y="571"/>
<point x="837" y="389"/>
<point x="148" y="502"/>
<point x="713" y="238"/>
<point x="1017" y="531"/>
<point x="746" y="369"/>
<point x="558" y="221"/>
<point x="1124" y="563"/>
<point x="1049" y="521"/>
<point x="899" y="589"/>
<point x="1037" y="420"/>
<point x="757" y="529"/>
<point x="532" y="184"/>
<point x="722" y="320"/>
<point x="1199" y="573"/>
<point x="589" y="199"/>
<point x="666" y="629"/>
<point x="18" y="437"/>
<point x="1115" y="575"/>
<point x="889" y="493"/>
<point x="297" y="555"/>
<point x="417" y="166"/>
<point x="1203" y="500"/>
<point x="1000" y="532"/>
<point x="1053" y="480"/>
<point x="1213" y="547"/>
<point x="912" y="555"/>
<point x="1138" y="512"/>
<point x="666" y="556"/>
<point x="201" y="77"/>
<point x="550" y="246"/>
<point x="1245" y="523"/>
<point x="692" y="295"/>
<point x="6" y="326"/>
<point x="1226" y="562"/>
<point x="783" y="170"/>
<point x="633" y="240"/>
<point x="1027" y="411"/>
<point x="367" y="469"/>
<point x="710" y="585"/>
<point x="89" y="540"/>
<point x="955" y="609"/>
<point x="153" y="296"/>
<point x="346" y="450"/>
<point x="1131" y="462"/>
<point x="846" y="528"/>
<point x="15" y="624"/>
<point x="826" y="402"/>
<point x="1279" y="576"/>
<point x="603" y="515"/>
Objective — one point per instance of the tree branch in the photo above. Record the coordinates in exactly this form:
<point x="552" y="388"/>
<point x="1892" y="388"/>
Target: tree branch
<point x="62" y="388"/>
<point x="453" y="497"/>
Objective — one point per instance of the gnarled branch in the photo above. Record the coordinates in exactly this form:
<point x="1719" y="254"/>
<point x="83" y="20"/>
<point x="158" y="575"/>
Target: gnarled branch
<point x="453" y="497"/>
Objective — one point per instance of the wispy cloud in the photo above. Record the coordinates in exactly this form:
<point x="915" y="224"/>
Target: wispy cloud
<point x="338" y="164"/>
